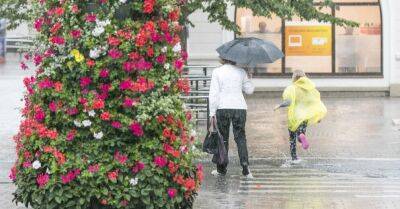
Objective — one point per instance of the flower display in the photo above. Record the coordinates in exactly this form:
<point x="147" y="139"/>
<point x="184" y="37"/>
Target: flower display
<point x="103" y="123"/>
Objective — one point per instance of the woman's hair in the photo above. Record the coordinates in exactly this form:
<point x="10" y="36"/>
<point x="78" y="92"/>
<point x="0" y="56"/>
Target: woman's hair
<point x="297" y="74"/>
<point x="225" y="61"/>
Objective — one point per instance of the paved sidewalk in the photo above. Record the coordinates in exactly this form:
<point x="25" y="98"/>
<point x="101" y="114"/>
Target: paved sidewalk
<point x="353" y="162"/>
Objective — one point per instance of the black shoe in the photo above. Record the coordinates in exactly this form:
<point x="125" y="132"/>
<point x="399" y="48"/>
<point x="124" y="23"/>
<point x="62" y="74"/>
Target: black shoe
<point x="221" y="169"/>
<point x="245" y="170"/>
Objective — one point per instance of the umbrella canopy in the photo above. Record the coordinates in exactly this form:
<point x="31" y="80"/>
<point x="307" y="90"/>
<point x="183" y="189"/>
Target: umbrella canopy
<point x="250" y="51"/>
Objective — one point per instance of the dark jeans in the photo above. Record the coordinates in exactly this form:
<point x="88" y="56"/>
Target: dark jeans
<point x="294" y="136"/>
<point x="238" y="119"/>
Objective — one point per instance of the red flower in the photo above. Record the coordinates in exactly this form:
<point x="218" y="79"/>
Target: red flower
<point x="161" y="59"/>
<point x="163" y="25"/>
<point x="56" y="27"/>
<point x="39" y="114"/>
<point x="52" y="134"/>
<point x="160" y="118"/>
<point x="174" y="15"/>
<point x="45" y="84"/>
<point x="125" y="84"/>
<point x="104" y="73"/>
<point x="58" y="86"/>
<point x="190" y="184"/>
<point x="90" y="63"/>
<point x="98" y="104"/>
<point x="38" y="24"/>
<point x="166" y="133"/>
<point x="59" y="11"/>
<point x="13" y="173"/>
<point x="70" y="176"/>
<point x="59" y="156"/>
<point x="148" y="6"/>
<point x="74" y="9"/>
<point x="150" y="52"/>
<point x="113" y="41"/>
<point x="113" y="175"/>
<point x="105" y="116"/>
<point x="128" y="102"/>
<point x="53" y="106"/>
<point x="128" y="66"/>
<point x="120" y="157"/>
<point x="136" y="129"/>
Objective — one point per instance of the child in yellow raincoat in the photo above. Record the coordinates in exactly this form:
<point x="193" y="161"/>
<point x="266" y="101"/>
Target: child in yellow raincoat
<point x="304" y="108"/>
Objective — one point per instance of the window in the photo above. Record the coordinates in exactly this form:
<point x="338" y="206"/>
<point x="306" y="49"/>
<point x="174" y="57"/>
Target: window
<point x="322" y="48"/>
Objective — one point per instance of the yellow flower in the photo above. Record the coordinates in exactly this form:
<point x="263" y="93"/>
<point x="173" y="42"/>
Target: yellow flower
<point x="78" y="56"/>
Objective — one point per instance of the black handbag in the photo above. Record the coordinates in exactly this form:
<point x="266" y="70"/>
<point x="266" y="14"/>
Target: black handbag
<point x="214" y="144"/>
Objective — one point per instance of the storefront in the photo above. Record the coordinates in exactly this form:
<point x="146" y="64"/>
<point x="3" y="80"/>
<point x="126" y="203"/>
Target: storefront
<point x="339" y="58"/>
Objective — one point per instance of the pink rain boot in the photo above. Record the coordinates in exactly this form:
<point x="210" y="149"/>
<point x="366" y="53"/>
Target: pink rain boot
<point x="303" y="141"/>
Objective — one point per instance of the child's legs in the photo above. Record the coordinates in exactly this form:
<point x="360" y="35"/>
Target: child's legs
<point x="292" y="140"/>
<point x="302" y="129"/>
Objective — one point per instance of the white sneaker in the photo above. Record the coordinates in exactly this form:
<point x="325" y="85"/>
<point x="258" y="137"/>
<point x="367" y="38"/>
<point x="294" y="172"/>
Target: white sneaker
<point x="298" y="161"/>
<point x="216" y="173"/>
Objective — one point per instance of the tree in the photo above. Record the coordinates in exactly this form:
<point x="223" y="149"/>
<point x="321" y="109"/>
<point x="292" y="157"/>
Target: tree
<point x="103" y="125"/>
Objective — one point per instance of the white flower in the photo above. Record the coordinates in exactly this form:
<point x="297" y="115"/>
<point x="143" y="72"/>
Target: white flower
<point x="98" y="31"/>
<point x="36" y="165"/>
<point x="47" y="170"/>
<point x="77" y="123"/>
<point x="102" y="23"/>
<point x="134" y="181"/>
<point x="164" y="49"/>
<point x="177" y="47"/>
<point x="86" y="123"/>
<point x="122" y="1"/>
<point x="193" y="133"/>
<point x="98" y="135"/>
<point x="167" y="66"/>
<point x="91" y="113"/>
<point x="94" y="53"/>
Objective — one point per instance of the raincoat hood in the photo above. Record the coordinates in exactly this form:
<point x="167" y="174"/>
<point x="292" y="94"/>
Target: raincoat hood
<point x="304" y="83"/>
<point x="305" y="103"/>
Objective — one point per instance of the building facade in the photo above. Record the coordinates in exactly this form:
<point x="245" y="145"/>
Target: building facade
<point x="366" y="58"/>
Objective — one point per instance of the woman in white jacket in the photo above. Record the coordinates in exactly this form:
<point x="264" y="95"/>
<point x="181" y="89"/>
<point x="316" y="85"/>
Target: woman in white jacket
<point x="227" y="105"/>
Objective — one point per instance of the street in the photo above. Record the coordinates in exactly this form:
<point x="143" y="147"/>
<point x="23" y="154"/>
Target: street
<point x="353" y="161"/>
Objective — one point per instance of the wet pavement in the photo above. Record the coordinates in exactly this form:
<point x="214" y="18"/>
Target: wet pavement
<point x="353" y="161"/>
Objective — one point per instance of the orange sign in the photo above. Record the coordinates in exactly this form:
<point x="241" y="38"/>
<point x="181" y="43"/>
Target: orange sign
<point x="308" y="40"/>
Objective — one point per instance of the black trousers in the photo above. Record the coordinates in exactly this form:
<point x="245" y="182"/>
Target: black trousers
<point x="238" y="119"/>
<point x="294" y="136"/>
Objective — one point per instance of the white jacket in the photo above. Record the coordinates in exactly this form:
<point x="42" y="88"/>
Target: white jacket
<point x="228" y="83"/>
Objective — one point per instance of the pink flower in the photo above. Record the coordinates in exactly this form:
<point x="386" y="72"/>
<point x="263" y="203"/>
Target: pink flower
<point x="57" y="40"/>
<point x="129" y="66"/>
<point x="23" y="66"/>
<point x="155" y="37"/>
<point x="120" y="157"/>
<point x="13" y="173"/>
<point x="184" y="55"/>
<point x="172" y="192"/>
<point x="116" y="124"/>
<point x="76" y="34"/>
<point x="94" y="168"/>
<point x="70" y="176"/>
<point x="138" y="167"/>
<point x="136" y="129"/>
<point x="128" y="102"/>
<point x="38" y="24"/>
<point x="115" y="53"/>
<point x="178" y="64"/>
<point x="125" y="84"/>
<point x="26" y="164"/>
<point x="72" y="111"/>
<point x="42" y="179"/>
<point x="144" y="65"/>
<point x="45" y="84"/>
<point x="104" y="73"/>
<point x="37" y="59"/>
<point x="53" y="106"/>
<point x="160" y="161"/>
<point x="91" y="18"/>
<point x="39" y="114"/>
<point x="85" y="81"/>
<point x="161" y="59"/>
<point x="71" y="135"/>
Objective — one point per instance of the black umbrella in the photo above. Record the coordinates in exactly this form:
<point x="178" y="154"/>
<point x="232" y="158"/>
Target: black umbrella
<point x="250" y="51"/>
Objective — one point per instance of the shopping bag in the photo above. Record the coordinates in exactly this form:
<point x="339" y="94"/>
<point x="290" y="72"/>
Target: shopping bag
<point x="210" y="144"/>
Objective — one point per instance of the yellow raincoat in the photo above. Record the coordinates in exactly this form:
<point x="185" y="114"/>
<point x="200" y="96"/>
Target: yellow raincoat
<point x="306" y="104"/>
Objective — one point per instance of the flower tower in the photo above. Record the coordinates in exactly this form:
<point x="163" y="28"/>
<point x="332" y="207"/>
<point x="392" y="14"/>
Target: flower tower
<point x="103" y="125"/>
